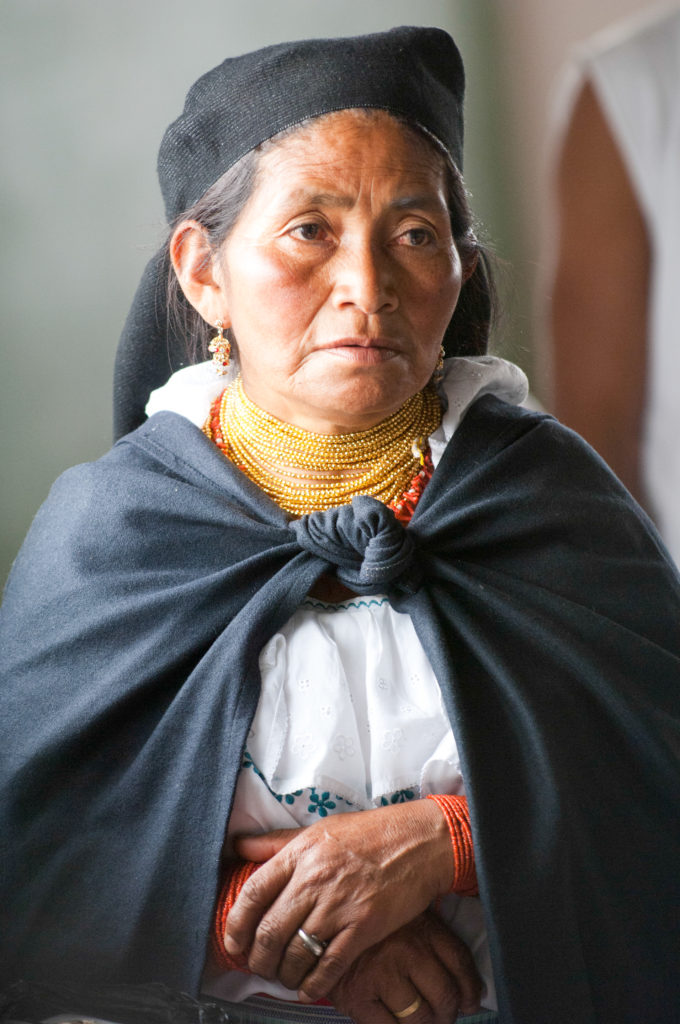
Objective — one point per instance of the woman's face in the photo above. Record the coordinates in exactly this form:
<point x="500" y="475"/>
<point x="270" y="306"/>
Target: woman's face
<point x="341" y="274"/>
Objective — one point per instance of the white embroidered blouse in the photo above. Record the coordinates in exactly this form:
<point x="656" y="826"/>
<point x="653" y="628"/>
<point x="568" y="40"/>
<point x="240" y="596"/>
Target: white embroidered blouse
<point x="350" y="714"/>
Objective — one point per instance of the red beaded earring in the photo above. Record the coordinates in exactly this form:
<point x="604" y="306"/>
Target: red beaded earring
<point x="221" y="350"/>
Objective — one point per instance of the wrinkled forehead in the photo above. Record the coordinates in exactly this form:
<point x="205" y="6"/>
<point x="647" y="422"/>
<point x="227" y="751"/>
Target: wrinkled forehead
<point x="347" y="137"/>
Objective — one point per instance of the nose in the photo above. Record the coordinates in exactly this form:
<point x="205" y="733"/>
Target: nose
<point x="364" y="277"/>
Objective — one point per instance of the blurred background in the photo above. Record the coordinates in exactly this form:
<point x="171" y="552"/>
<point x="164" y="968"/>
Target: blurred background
<point x="87" y="90"/>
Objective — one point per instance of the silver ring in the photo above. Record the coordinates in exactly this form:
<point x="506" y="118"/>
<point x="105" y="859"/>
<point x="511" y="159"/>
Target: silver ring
<point x="312" y="943"/>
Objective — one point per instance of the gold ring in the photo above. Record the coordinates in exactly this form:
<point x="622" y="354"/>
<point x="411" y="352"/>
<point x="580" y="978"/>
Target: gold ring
<point x="411" y="1008"/>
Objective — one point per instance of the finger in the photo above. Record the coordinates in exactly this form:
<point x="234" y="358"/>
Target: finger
<point x="439" y="991"/>
<point x="274" y="935"/>
<point x="342" y="950"/>
<point x="261" y="848"/>
<point x="406" y="1000"/>
<point x="252" y="904"/>
<point x="459" y="961"/>
<point x="297" y="961"/>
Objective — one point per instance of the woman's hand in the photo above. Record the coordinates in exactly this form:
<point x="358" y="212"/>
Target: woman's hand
<point x="422" y="965"/>
<point x="350" y="880"/>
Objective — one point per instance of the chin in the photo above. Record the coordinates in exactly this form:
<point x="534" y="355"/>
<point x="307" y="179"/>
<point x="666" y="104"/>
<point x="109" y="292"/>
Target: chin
<point x="364" y="403"/>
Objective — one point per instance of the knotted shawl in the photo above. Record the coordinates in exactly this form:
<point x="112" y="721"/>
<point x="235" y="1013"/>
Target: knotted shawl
<point x="131" y="630"/>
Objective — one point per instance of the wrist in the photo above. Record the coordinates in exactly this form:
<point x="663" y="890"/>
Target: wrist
<point x="433" y="827"/>
<point x="462" y="872"/>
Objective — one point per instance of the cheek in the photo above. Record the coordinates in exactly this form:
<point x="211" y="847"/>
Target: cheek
<point x="259" y="269"/>
<point x="272" y="302"/>
<point x="274" y="286"/>
<point x="434" y="295"/>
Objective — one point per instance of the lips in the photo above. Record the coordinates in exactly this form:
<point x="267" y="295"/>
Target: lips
<point x="362" y="350"/>
<point x="361" y="342"/>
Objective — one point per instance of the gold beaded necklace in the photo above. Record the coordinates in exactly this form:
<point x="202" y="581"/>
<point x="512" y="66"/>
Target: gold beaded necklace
<point x="304" y="472"/>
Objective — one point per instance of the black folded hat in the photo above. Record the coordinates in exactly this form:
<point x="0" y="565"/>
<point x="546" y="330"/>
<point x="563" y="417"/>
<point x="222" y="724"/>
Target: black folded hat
<point x="416" y="73"/>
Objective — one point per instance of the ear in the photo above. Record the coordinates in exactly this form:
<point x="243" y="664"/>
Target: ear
<point x="470" y="264"/>
<point x="194" y="265"/>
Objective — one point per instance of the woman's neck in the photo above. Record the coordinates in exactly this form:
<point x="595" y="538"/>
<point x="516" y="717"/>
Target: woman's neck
<point x="305" y="472"/>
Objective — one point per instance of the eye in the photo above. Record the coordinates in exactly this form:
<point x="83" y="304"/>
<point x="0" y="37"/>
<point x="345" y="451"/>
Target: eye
<point x="416" y="237"/>
<point x="311" y="231"/>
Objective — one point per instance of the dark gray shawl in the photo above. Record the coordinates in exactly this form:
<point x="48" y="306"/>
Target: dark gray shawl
<point x="549" y="610"/>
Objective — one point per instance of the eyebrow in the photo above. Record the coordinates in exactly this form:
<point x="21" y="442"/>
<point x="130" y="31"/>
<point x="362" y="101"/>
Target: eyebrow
<point x="423" y="201"/>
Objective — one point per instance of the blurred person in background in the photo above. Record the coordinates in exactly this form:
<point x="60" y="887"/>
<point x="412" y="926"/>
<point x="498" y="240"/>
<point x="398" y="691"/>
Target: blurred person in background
<point x="614" y="307"/>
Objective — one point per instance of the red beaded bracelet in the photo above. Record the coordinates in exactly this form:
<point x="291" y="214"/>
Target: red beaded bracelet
<point x="237" y="874"/>
<point x="455" y="810"/>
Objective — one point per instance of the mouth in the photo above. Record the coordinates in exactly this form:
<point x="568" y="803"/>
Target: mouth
<point x="362" y="350"/>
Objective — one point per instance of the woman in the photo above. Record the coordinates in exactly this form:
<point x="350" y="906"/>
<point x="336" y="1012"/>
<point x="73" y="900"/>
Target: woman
<point x="393" y="586"/>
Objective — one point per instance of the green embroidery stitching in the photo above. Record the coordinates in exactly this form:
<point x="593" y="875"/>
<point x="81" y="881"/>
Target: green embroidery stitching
<point x="311" y="602"/>
<point x="322" y="803"/>
<point x="288" y="798"/>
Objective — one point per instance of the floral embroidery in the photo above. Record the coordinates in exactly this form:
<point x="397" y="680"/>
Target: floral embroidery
<point x="344" y="747"/>
<point x="320" y="805"/>
<point x="248" y="762"/>
<point x="400" y="797"/>
<point x="304" y="744"/>
<point x="325" y="710"/>
<point x="393" y="739"/>
<point x="382" y="683"/>
<point x="288" y="798"/>
<point x="304" y="684"/>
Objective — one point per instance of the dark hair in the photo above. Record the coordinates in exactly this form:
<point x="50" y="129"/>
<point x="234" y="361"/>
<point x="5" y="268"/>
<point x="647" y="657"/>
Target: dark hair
<point x="217" y="211"/>
<point x="220" y="206"/>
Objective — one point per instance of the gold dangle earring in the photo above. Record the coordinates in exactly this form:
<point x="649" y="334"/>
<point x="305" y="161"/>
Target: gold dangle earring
<point x="438" y="375"/>
<point x="221" y="350"/>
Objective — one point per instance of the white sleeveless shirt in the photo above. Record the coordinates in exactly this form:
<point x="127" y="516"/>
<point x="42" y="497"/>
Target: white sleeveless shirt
<point x="634" y="68"/>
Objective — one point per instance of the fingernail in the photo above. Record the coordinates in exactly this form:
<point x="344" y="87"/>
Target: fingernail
<point x="231" y="945"/>
<point x="304" y="998"/>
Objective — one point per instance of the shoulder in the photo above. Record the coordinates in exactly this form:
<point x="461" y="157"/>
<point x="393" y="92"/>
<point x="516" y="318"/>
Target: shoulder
<point x="166" y="453"/>
<point x="535" y="443"/>
<point x="538" y="472"/>
<point x="138" y="468"/>
<point x="161" y="491"/>
<point x="635" y="71"/>
<point x="519" y="458"/>
<point x="492" y="423"/>
<point x="639" y="40"/>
